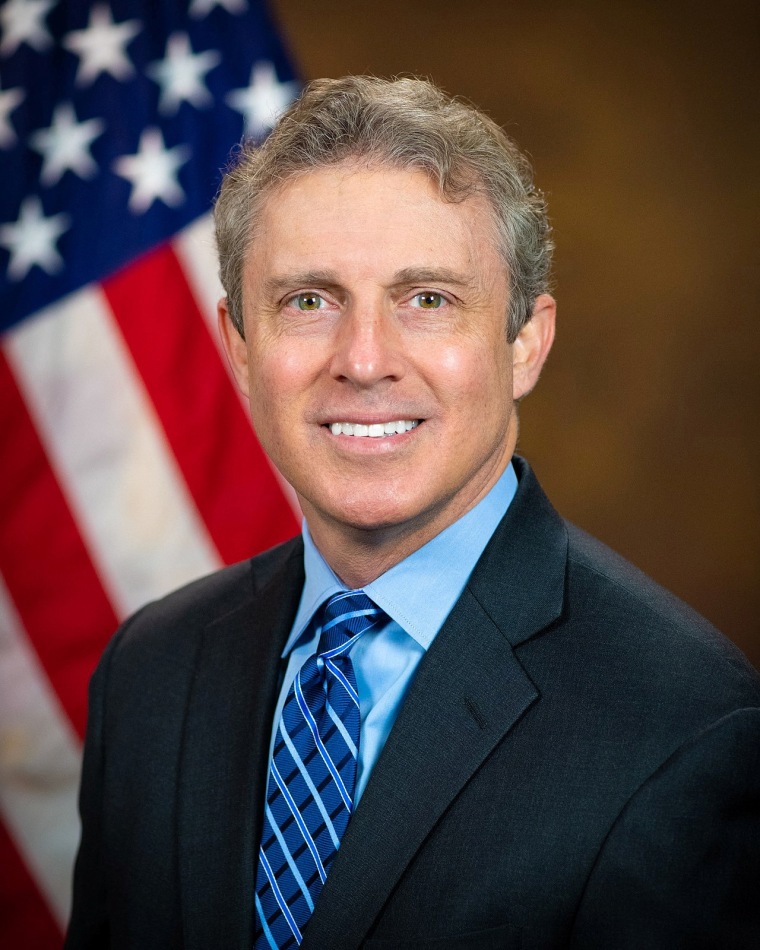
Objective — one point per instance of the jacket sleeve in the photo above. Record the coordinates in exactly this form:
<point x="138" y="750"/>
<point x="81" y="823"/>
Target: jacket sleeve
<point x="88" y="926"/>
<point x="680" y="866"/>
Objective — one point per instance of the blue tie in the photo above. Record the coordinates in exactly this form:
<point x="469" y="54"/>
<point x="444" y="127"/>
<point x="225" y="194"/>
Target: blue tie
<point x="312" y="776"/>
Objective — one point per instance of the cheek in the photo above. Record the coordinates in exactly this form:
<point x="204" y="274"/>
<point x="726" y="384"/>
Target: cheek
<point x="274" y="372"/>
<point x="281" y="383"/>
<point x="265" y="390"/>
<point x="481" y="374"/>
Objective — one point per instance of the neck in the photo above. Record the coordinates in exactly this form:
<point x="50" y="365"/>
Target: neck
<point x="359" y="554"/>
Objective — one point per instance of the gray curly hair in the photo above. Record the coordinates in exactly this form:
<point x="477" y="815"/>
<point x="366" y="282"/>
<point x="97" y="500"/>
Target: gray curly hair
<point x="404" y="124"/>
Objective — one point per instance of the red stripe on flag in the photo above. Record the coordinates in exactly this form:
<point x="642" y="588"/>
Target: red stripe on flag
<point x="25" y="919"/>
<point x="223" y="464"/>
<point x="47" y="568"/>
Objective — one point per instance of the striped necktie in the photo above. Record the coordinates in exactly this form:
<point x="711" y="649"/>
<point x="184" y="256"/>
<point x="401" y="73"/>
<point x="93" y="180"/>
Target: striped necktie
<point x="312" y="775"/>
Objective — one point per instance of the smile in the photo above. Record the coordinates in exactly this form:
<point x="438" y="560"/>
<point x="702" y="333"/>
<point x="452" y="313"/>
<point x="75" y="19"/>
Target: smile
<point x="374" y="430"/>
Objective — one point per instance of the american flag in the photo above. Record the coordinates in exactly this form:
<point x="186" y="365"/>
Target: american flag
<point x="129" y="465"/>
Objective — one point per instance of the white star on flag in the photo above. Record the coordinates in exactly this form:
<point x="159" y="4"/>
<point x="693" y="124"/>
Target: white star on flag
<point x="153" y="171"/>
<point x="264" y="100"/>
<point x="21" y="21"/>
<point x="31" y="240"/>
<point x="65" y="146"/>
<point x="181" y="74"/>
<point x="201" y="8"/>
<point x="9" y="99"/>
<point x="101" y="48"/>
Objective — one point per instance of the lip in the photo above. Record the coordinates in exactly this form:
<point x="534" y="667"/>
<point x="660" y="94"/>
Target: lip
<point x="370" y="444"/>
<point x="367" y="418"/>
<point x="373" y="430"/>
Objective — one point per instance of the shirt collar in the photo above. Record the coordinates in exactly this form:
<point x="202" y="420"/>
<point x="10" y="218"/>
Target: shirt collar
<point x="420" y="591"/>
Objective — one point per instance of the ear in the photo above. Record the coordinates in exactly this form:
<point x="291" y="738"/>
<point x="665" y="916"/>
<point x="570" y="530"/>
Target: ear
<point x="530" y="349"/>
<point x="234" y="346"/>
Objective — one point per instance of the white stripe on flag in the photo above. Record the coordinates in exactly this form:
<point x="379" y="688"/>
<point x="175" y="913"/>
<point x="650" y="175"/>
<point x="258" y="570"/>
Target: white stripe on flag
<point x="195" y="247"/>
<point x="39" y="766"/>
<point x="100" y="431"/>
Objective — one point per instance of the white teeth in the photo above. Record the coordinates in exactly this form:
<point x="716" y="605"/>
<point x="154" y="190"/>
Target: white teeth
<point x="374" y="430"/>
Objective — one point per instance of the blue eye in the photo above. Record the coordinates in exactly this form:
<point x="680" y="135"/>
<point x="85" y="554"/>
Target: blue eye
<point x="429" y="300"/>
<point x="307" y="301"/>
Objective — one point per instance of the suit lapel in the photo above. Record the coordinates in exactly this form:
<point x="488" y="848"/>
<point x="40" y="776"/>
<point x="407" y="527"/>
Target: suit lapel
<point x="470" y="690"/>
<point x="225" y="749"/>
<point x="465" y="701"/>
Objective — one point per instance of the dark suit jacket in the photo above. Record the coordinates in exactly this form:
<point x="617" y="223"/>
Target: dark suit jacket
<point x="576" y="764"/>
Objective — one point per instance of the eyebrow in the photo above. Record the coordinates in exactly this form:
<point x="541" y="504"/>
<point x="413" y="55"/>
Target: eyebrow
<point x="408" y="276"/>
<point x="431" y="275"/>
<point x="312" y="278"/>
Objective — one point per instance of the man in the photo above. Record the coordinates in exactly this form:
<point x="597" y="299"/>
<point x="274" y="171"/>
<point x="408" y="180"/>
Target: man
<point x="536" y="746"/>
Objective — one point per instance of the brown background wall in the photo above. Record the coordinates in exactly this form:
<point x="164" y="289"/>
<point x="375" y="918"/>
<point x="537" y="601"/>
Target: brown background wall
<point x="642" y="122"/>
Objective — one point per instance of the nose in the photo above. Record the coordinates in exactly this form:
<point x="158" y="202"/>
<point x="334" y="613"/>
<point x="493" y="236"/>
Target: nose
<point x="367" y="347"/>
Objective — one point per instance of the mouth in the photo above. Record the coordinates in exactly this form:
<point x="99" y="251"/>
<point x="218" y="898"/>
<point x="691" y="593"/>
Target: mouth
<point x="373" y="430"/>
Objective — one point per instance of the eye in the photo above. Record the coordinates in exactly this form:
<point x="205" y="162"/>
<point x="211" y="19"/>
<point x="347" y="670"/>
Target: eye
<point x="307" y="301"/>
<point x="428" y="300"/>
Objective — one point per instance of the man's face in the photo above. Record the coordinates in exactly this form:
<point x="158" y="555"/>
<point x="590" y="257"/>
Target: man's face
<point x="375" y="356"/>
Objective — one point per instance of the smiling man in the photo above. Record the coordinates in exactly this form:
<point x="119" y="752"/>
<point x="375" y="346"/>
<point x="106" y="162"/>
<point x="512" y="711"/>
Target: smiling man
<point x="443" y="717"/>
<point x="375" y="305"/>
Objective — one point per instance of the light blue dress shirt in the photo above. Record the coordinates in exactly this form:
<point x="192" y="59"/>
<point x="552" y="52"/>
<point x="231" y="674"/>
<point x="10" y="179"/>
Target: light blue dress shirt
<point x="417" y="594"/>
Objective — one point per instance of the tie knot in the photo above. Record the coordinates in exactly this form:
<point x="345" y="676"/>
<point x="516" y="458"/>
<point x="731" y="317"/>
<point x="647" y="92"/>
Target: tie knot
<point x="345" y="617"/>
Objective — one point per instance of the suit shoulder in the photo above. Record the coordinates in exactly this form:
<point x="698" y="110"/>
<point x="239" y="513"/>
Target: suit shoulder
<point x="650" y="622"/>
<point x="228" y="588"/>
<point x="610" y="574"/>
<point x="170" y="624"/>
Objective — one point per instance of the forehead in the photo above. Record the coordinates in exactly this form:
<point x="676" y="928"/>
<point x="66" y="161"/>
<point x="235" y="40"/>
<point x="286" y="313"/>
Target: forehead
<point x="377" y="215"/>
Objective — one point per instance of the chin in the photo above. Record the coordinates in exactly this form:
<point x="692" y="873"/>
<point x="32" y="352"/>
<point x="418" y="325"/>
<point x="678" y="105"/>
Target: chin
<point x="388" y="515"/>
<point x="365" y="510"/>
<point x="378" y="520"/>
